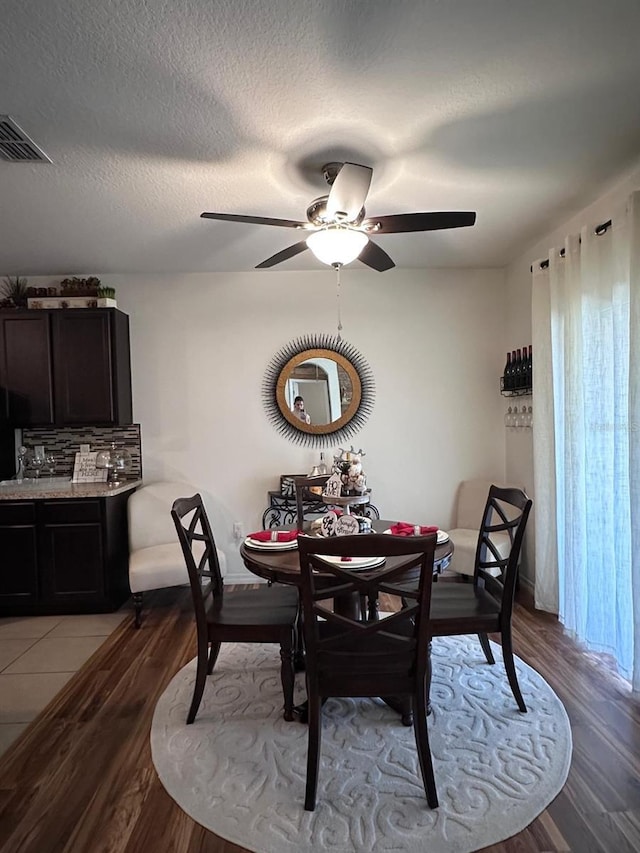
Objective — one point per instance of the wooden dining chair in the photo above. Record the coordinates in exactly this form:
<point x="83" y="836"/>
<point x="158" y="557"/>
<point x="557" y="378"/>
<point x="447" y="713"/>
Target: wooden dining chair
<point x="487" y="606"/>
<point x="268" y="614"/>
<point x="304" y="495"/>
<point x="387" y="657"/>
<point x="155" y="558"/>
<point x="471" y="499"/>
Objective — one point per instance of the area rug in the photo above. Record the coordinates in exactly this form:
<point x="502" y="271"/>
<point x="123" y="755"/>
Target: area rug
<point x="240" y="770"/>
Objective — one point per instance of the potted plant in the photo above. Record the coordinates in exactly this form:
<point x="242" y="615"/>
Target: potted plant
<point x="15" y="291"/>
<point x="80" y="286"/>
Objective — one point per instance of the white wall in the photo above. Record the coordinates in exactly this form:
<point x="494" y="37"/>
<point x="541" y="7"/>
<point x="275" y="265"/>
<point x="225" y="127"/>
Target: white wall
<point x="519" y="446"/>
<point x="201" y="343"/>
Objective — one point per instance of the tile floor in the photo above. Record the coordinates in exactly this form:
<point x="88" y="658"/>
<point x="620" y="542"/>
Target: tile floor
<point x="38" y="655"/>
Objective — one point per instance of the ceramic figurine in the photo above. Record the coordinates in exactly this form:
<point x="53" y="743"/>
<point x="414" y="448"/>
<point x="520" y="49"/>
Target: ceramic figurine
<point x="348" y="464"/>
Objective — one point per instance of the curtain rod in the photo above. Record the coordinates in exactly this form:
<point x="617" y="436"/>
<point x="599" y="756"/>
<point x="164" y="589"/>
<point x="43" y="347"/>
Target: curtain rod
<point x="599" y="230"/>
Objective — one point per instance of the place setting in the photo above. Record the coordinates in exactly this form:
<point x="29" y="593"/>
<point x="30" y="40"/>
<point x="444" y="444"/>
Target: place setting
<point x="403" y="528"/>
<point x="273" y="540"/>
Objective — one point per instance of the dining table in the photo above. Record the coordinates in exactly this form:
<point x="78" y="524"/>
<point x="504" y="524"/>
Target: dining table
<point x="283" y="566"/>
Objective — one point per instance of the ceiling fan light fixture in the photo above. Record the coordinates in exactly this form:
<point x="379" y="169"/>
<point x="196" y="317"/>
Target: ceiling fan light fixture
<point x="337" y="244"/>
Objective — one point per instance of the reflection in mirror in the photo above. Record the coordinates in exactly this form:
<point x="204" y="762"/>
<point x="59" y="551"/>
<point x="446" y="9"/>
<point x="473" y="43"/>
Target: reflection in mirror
<point x="325" y="387"/>
<point x="318" y="390"/>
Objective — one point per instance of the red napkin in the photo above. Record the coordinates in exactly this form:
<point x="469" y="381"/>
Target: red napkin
<point x="402" y="528"/>
<point x="274" y="535"/>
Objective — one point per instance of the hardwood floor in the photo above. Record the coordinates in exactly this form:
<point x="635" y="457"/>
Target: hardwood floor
<point x="80" y="778"/>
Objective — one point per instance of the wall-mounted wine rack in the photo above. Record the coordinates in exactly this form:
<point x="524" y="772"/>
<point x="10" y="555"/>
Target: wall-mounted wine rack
<point x="517" y="377"/>
<point x="515" y="392"/>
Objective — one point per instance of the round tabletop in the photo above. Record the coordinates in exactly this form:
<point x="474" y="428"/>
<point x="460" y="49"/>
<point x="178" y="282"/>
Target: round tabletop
<point x="284" y="566"/>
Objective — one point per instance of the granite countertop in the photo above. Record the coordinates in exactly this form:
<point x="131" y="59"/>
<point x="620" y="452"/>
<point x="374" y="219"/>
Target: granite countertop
<point x="42" y="489"/>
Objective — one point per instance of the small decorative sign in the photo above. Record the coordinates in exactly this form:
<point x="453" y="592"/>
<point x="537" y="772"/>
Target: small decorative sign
<point x="328" y="524"/>
<point x="85" y="470"/>
<point x="347" y="525"/>
<point x="333" y="486"/>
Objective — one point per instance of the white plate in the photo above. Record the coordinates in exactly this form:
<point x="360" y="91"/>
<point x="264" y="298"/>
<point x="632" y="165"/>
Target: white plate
<point x="271" y="546"/>
<point x="442" y="535"/>
<point x="354" y="562"/>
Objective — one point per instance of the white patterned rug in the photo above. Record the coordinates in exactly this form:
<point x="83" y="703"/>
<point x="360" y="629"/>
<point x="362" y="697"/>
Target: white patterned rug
<point x="240" y="770"/>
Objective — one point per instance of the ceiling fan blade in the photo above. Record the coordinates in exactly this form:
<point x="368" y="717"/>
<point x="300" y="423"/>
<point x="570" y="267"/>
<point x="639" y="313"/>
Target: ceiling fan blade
<point x="349" y="192"/>
<point x="284" y="255"/>
<point x="403" y="222"/>
<point x="255" y="220"/>
<point x="375" y="257"/>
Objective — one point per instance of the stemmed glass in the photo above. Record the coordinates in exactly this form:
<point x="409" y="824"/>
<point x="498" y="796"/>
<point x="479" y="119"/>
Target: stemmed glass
<point x="37" y="462"/>
<point x="50" y="462"/>
<point x="22" y="456"/>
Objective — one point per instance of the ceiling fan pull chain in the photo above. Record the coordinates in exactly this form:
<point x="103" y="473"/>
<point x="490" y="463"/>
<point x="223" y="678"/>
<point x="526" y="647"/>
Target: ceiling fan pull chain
<point x="338" y="268"/>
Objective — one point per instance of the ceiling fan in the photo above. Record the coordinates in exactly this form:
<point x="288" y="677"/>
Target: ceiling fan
<point x="339" y="229"/>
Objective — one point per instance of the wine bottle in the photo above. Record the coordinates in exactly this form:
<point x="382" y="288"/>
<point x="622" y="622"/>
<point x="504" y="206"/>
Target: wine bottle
<point x="518" y="371"/>
<point x="506" y="374"/>
<point x="530" y="368"/>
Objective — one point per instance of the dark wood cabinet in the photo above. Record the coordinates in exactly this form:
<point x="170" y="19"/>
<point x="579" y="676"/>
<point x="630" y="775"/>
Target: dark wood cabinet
<point x="26" y="377"/>
<point x="65" y="367"/>
<point x="72" y="551"/>
<point x="19" y="562"/>
<point x="64" y="556"/>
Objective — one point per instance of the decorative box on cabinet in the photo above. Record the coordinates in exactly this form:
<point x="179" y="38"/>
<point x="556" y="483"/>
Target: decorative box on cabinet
<point x="64" y="556"/>
<point x="65" y="368"/>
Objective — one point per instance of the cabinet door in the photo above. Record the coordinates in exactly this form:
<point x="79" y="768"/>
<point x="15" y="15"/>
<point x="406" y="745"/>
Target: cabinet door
<point x="25" y="369"/>
<point x="72" y="553"/>
<point x="83" y="367"/>
<point x="18" y="547"/>
<point x="92" y="368"/>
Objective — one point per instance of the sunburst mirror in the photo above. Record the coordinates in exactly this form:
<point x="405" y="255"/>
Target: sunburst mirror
<point x="318" y="390"/>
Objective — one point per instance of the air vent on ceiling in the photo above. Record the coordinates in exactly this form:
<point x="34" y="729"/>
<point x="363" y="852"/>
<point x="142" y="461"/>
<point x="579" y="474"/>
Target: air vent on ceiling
<point x="15" y="145"/>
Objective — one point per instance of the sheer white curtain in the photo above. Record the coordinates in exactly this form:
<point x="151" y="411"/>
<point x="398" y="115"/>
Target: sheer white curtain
<point x="586" y="340"/>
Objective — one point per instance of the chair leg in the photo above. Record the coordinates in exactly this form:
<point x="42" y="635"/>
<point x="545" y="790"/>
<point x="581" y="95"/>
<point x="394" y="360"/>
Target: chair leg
<point x="422" y="744"/>
<point x="509" y="665"/>
<point x="137" y="603"/>
<point x="298" y="654"/>
<point x="313" y="751"/>
<point x="363" y="606"/>
<point x="198" y="688"/>
<point x="486" y="648"/>
<point x="427" y="680"/>
<point x="214" y="651"/>
<point x="287" y="671"/>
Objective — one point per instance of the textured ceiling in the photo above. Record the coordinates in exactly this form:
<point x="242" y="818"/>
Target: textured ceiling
<point x="155" y="111"/>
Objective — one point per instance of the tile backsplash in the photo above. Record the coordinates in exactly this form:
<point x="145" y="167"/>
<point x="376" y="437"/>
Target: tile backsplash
<point x="64" y="443"/>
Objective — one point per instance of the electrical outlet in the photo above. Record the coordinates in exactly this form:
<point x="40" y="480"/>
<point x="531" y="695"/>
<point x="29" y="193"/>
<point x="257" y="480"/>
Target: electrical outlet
<point x="237" y="530"/>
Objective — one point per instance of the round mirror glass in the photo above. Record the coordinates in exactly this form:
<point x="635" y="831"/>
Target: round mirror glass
<point x="318" y="390"/>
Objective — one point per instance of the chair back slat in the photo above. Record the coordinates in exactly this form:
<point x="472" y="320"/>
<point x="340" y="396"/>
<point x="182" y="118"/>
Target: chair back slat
<point x="350" y="654"/>
<point x="512" y="507"/>
<point x="205" y="579"/>
<point x="303" y="486"/>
